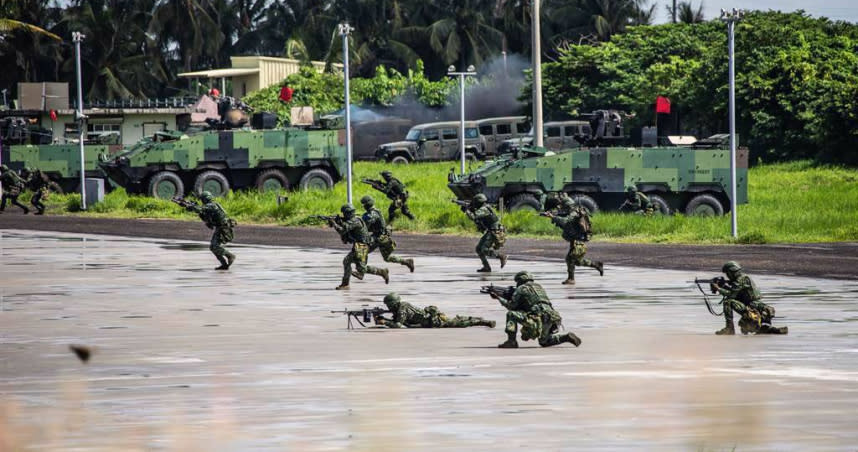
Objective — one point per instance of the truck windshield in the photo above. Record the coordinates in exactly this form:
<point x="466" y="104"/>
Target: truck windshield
<point x="413" y="135"/>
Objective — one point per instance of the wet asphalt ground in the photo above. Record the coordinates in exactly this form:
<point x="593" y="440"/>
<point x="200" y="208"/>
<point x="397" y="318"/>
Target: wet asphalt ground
<point x="187" y="358"/>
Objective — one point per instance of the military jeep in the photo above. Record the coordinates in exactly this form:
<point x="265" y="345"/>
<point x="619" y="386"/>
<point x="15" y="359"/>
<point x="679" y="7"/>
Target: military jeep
<point x="432" y="142"/>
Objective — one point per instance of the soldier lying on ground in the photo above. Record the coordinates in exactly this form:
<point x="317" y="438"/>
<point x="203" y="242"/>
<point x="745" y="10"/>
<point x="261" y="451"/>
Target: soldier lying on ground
<point x="406" y="315"/>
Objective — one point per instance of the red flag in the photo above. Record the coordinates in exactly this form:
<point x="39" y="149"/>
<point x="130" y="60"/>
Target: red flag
<point x="662" y="105"/>
<point x="286" y="94"/>
<point x="53" y="115"/>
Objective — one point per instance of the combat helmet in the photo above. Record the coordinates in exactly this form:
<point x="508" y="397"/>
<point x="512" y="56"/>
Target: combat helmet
<point x="206" y="196"/>
<point x="632" y="189"/>
<point x="523" y="277"/>
<point x="386" y="174"/>
<point x="348" y="210"/>
<point x="567" y="202"/>
<point x="479" y="199"/>
<point x="367" y="201"/>
<point x="731" y="267"/>
<point x="3" y="168"/>
<point x="392" y="300"/>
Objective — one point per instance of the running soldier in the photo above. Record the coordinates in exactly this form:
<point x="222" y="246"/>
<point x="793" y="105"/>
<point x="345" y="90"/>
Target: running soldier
<point x="406" y="315"/>
<point x="39" y="183"/>
<point x="530" y="307"/>
<point x="13" y="185"/>
<point x="575" y="225"/>
<point x="395" y="190"/>
<point x="215" y="218"/>
<point x="494" y="235"/>
<point x="352" y="230"/>
<point x="381" y="234"/>
<point x="742" y="296"/>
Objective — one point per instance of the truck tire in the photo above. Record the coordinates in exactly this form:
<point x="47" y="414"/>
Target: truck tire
<point x="316" y="179"/>
<point x="166" y="185"/>
<point x="213" y="182"/>
<point x="704" y="206"/>
<point x="524" y="201"/>
<point x="659" y="205"/>
<point x="587" y="202"/>
<point x="271" y="179"/>
<point x="400" y="160"/>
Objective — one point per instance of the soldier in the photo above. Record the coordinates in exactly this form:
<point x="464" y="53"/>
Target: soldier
<point x="13" y="185"/>
<point x="215" y="218"/>
<point x="742" y="296"/>
<point x="39" y="183"/>
<point x="637" y="202"/>
<point x="406" y="315"/>
<point x="381" y="239"/>
<point x="488" y="223"/>
<point x="530" y="307"/>
<point x="575" y="225"/>
<point x="395" y="190"/>
<point x="352" y="230"/>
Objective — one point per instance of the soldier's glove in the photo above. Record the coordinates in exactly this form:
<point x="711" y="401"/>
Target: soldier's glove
<point x="713" y="287"/>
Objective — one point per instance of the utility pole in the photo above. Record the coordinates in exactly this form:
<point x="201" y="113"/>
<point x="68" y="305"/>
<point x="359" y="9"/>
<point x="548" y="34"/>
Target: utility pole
<point x="345" y="29"/>
<point x="536" y="51"/>
<point x="731" y="18"/>
<point x="77" y="37"/>
<point x="451" y="71"/>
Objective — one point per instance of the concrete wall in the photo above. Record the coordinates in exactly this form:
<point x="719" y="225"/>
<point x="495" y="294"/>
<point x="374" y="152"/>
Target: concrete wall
<point x="131" y="124"/>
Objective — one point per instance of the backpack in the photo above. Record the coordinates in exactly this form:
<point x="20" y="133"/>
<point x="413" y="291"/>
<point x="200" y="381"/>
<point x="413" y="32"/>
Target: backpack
<point x="584" y="227"/>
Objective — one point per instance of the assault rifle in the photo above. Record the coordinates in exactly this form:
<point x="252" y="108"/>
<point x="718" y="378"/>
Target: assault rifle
<point x="498" y="292"/>
<point x="464" y="205"/>
<point x="376" y="184"/>
<point x="719" y="281"/>
<point x="366" y="314"/>
<point x="330" y="219"/>
<point x="184" y="202"/>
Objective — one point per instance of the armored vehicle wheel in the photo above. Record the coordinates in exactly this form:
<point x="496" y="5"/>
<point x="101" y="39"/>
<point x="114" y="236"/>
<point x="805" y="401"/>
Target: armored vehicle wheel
<point x="586" y="202"/>
<point x="271" y="180"/>
<point x="166" y="185"/>
<point x="704" y="206"/>
<point x="659" y="205"/>
<point x="523" y="201"/>
<point x="316" y="179"/>
<point x="400" y="160"/>
<point x="212" y="182"/>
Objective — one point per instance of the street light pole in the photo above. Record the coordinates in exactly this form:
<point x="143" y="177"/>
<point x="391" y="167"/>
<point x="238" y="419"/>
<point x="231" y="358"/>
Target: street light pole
<point x="730" y="18"/>
<point x="345" y="29"/>
<point x="451" y="71"/>
<point x="536" y="51"/>
<point x="77" y="37"/>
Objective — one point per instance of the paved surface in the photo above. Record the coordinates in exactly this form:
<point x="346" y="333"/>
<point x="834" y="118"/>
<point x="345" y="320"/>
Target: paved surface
<point x="187" y="358"/>
<point x="823" y="260"/>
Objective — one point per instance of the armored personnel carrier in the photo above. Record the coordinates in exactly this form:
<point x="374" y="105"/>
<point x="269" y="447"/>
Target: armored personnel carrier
<point x="222" y="157"/>
<point x="693" y="179"/>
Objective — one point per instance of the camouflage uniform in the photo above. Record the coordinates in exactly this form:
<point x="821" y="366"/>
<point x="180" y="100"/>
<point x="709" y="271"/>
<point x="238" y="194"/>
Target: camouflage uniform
<point x="398" y="195"/>
<point x="530" y="308"/>
<point x="381" y="234"/>
<point x="215" y="218"/>
<point x="494" y="235"/>
<point x="570" y="224"/>
<point x="352" y="230"/>
<point x="406" y="315"/>
<point x="743" y="297"/>
<point x="39" y="183"/>
<point x="13" y="185"/>
<point x="637" y="202"/>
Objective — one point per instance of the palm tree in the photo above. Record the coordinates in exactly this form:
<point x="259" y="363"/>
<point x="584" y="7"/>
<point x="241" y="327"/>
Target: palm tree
<point x="11" y="26"/>
<point x="687" y="15"/>
<point x="187" y="31"/>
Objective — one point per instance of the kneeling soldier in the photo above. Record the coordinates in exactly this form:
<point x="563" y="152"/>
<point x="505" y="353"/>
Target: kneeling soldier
<point x="742" y="296"/>
<point x="530" y="307"/>
<point x="406" y="315"/>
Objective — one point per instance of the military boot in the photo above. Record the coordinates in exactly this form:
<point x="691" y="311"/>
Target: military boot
<point x="503" y="257"/>
<point x="485" y="269"/>
<point x="726" y="331"/>
<point x="41" y="211"/>
<point x="357" y="275"/>
<point x="230" y="258"/>
<point x="343" y="285"/>
<point x="572" y="339"/>
<point x="223" y="264"/>
<point x="26" y="210"/>
<point x="569" y="282"/>
<point x="484" y="322"/>
<point x="601" y="268"/>
<point x="510" y="342"/>
<point x="410" y="264"/>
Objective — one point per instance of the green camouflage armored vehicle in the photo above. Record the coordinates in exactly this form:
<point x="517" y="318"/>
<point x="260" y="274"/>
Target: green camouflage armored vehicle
<point x="173" y="163"/>
<point x="693" y="179"/>
<point x="60" y="162"/>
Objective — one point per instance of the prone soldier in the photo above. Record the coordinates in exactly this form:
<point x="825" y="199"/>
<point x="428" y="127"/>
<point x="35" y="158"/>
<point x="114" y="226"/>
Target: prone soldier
<point x="575" y="225"/>
<point x="215" y="218"/>
<point x="395" y="190"/>
<point x="487" y="221"/>
<point x="742" y="296"/>
<point x="406" y="315"/>
<point x="13" y="185"/>
<point x="528" y="305"/>
<point x="637" y="202"/>
<point x="352" y="230"/>
<point x="381" y="234"/>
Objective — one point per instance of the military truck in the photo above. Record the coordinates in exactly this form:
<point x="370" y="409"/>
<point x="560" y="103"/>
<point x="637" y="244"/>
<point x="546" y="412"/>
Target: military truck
<point x="173" y="163"/>
<point x="692" y="179"/>
<point x="432" y="142"/>
<point x="368" y="135"/>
